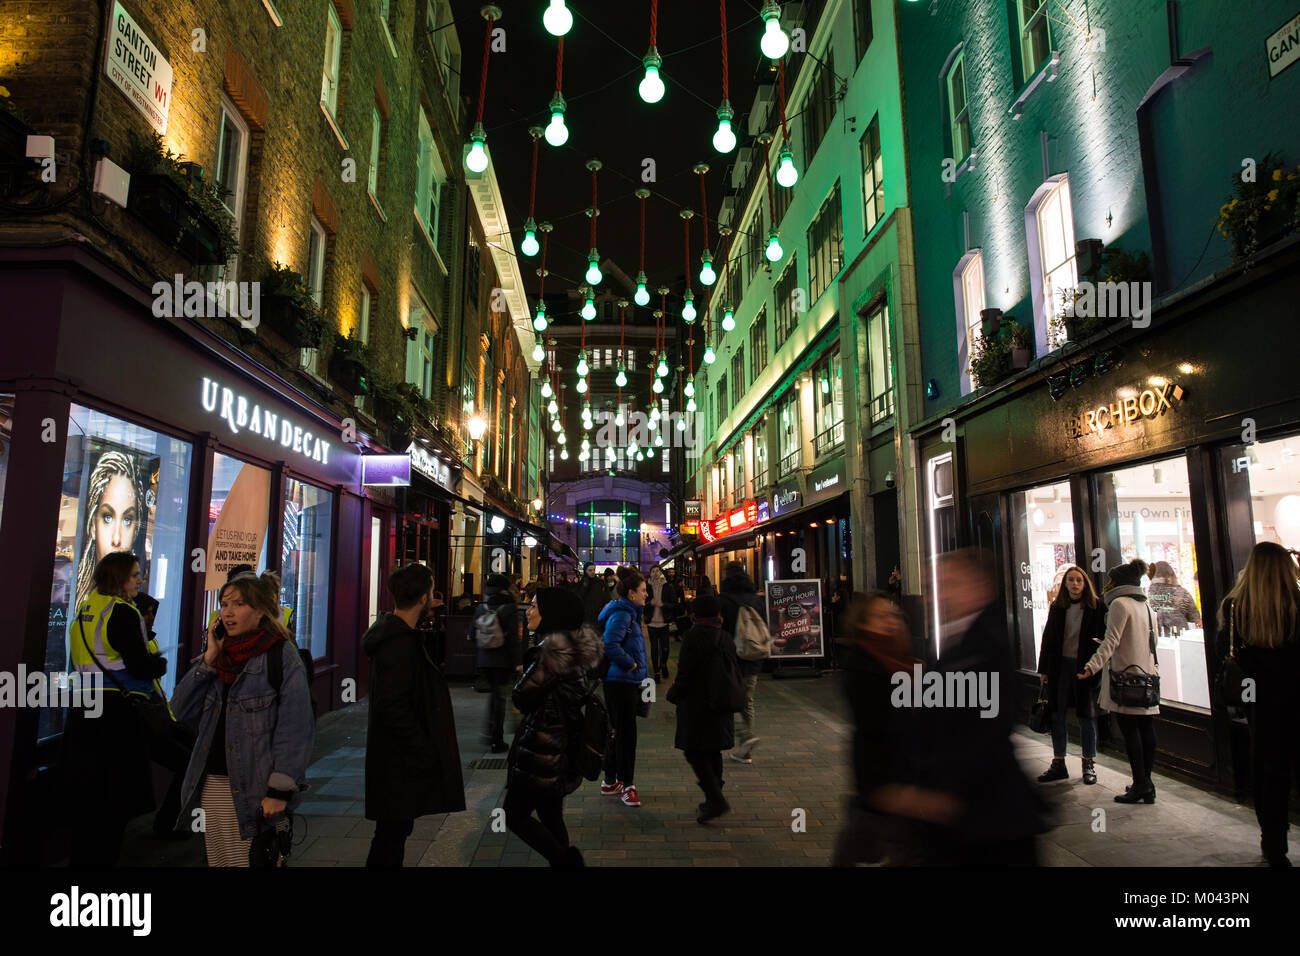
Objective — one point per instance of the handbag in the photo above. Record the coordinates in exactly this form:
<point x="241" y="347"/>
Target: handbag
<point x="1232" y="679"/>
<point x="152" y="711"/>
<point x="1134" y="687"/>
<point x="1040" y="715"/>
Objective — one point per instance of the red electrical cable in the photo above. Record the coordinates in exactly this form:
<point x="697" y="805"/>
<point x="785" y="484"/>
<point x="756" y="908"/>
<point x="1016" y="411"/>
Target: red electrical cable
<point x="654" y="21"/>
<point x="767" y="168"/>
<point x="780" y="75"/>
<point x="532" y="186"/>
<point x="482" y="87"/>
<point x="723" y="5"/>
<point x="559" y="64"/>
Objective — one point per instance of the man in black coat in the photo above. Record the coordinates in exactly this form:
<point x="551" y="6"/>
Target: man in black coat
<point x="499" y="664"/>
<point x="412" y="759"/>
<point x="739" y="588"/>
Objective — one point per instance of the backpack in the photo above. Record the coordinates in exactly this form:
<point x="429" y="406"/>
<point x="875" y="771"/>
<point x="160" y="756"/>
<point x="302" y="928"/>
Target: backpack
<point x="726" y="686"/>
<point x="488" y="632"/>
<point x="753" y="639"/>
<point x="593" y="737"/>
<point x="275" y="672"/>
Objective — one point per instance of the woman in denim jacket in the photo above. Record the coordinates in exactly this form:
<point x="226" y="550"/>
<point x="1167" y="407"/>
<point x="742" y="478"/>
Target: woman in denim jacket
<point x="254" y="740"/>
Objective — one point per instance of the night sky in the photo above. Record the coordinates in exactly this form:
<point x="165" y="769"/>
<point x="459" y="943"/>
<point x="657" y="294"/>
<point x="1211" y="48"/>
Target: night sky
<point x="607" y="120"/>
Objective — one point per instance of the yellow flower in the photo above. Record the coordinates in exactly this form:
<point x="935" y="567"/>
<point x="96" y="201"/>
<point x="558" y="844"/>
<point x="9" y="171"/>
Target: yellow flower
<point x="4" y="91"/>
<point x="1277" y="174"/>
<point x="1233" y="204"/>
<point x="1223" y="210"/>
<point x="1272" y="195"/>
<point x="1267" y="206"/>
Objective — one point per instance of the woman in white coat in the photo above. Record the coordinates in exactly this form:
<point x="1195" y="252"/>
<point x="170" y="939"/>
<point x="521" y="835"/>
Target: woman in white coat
<point x="1129" y="642"/>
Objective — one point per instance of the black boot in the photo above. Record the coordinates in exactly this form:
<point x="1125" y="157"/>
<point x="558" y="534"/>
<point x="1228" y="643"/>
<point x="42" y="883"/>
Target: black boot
<point x="1138" y="794"/>
<point x="1089" y="771"/>
<point x="1056" y="771"/>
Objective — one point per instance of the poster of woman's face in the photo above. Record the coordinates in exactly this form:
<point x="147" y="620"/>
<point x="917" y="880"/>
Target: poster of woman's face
<point x="118" y="494"/>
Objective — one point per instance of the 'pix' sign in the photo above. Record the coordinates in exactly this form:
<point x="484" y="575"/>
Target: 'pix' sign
<point x="1130" y="405"/>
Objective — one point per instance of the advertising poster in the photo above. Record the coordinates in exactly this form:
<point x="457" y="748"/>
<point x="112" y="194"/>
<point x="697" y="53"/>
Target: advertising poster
<point x="240" y="528"/>
<point x="794" y="613"/>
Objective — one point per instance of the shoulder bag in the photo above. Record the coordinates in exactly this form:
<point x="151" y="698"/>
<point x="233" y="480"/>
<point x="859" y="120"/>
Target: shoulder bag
<point x="1134" y="687"/>
<point x="1232" y="679"/>
<point x="1040" y="717"/>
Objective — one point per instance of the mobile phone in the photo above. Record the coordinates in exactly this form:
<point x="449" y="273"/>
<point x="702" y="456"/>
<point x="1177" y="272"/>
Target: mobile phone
<point x="219" y="632"/>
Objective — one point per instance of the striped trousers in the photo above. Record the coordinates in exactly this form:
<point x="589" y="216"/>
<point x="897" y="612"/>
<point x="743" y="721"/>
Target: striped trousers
<point x="221" y="826"/>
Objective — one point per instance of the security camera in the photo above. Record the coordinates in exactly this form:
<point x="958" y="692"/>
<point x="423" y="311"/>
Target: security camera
<point x="889" y="479"/>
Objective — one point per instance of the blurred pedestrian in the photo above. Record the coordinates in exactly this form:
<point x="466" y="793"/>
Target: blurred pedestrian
<point x="661" y="610"/>
<point x="703" y="733"/>
<point x="1129" y="647"/>
<point x="498" y="664"/>
<point x="550" y="695"/>
<point x="738" y="589"/>
<point x="1260" y="626"/>
<point x="412" y="757"/>
<point x="1075" y="625"/>
<point x="591" y="590"/>
<point x="626" y="652"/>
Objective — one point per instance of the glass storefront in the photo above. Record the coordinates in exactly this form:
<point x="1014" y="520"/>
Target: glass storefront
<point x="609" y="532"/>
<point x="1043" y="536"/>
<point x="125" y="488"/>
<point x="305" y="569"/>
<point x="239" y="515"/>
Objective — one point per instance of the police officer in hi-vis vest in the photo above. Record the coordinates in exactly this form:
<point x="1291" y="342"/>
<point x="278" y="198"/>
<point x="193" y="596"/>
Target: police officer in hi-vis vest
<point x="106" y="758"/>
<point x="286" y="613"/>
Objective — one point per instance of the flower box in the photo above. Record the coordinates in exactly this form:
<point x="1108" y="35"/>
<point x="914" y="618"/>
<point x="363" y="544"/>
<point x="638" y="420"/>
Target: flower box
<point x="296" y="324"/>
<point x="165" y="207"/>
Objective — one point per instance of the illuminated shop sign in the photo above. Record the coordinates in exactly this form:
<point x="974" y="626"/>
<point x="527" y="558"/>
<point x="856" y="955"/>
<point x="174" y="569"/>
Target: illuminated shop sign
<point x="429" y="466"/>
<point x="736" y="520"/>
<point x="751" y="512"/>
<point x="240" y="415"/>
<point x="386" y="470"/>
<point x="763" y="510"/>
<point x="694" y="508"/>
<point x="1130" y="405"/>
<point x="706" y="532"/>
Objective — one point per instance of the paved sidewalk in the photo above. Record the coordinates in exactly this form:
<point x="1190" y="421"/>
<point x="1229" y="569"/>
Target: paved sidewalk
<point x="799" y="775"/>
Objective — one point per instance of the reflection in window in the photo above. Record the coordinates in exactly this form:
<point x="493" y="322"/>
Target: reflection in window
<point x="1043" y="541"/>
<point x="305" y="568"/>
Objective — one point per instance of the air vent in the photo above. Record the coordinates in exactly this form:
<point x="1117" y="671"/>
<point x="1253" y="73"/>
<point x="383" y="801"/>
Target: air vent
<point x="727" y="212"/>
<point x="761" y="112"/>
<point x="740" y="172"/>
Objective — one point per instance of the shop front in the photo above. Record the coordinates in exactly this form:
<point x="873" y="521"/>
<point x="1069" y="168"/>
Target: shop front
<point x="127" y="431"/>
<point x="1178" y="445"/>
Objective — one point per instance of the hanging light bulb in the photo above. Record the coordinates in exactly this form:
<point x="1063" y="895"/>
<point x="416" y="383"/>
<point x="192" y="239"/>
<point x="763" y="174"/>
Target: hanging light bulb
<point x="585" y="443"/>
<point x="724" y="140"/>
<point x="621" y="378"/>
<point x="689" y="390"/>
<point x="618" y="417"/>
<point x="583" y="455"/>
<point x="640" y="456"/>
<point x="552" y="408"/>
<point x="709" y="357"/>
<point x="539" y="320"/>
<point x="530" y="246"/>
<point x="555" y="425"/>
<point x="589" y="307"/>
<point x="564" y="454"/>
<point x="652" y="424"/>
<point x="662" y="370"/>
<point x="774" y="250"/>
<point x="707" y="275"/>
<point x="775" y="43"/>
<point x="593" y="267"/>
<point x="547" y="391"/>
<point x="786" y="174"/>
<point x="681" y="424"/>
<point x="631" y="446"/>
<point x="582" y="386"/>
<point x="557" y="19"/>
<point x="586" y="409"/>
<point x="658" y="386"/>
<point x="652" y="87"/>
<point x="688" y="310"/>
<point x="690" y="405"/>
<point x="476" y="160"/>
<point x="728" y="319"/>
<point x="654" y="413"/>
<point x="659" y="441"/>
<point x="563" y="439"/>
<point x="557" y="134"/>
<point x="539" y="353"/>
<point x="582" y="368"/>
<point x="642" y="296"/>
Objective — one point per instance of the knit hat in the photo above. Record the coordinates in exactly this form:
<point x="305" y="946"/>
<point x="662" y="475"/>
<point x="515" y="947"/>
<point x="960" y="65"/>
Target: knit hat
<point x="560" y="608"/>
<point x="497" y="581"/>
<point x="1128" y="574"/>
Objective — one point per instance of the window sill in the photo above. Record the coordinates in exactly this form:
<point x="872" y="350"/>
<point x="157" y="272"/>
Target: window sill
<point x="338" y="133"/>
<point x="378" y="208"/>
<point x="388" y="35"/>
<point x="273" y="13"/>
<point x="1046" y="72"/>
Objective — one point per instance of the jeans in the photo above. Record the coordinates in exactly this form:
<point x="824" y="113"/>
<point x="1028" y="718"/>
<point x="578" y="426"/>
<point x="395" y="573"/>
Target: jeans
<point x="546" y="833"/>
<point x="747" y="715"/>
<point x="621" y="701"/>
<point x="707" y="765"/>
<point x="658" y="650"/>
<point x="1140" y="741"/>
<point x="496" y="677"/>
<point x="388" y="845"/>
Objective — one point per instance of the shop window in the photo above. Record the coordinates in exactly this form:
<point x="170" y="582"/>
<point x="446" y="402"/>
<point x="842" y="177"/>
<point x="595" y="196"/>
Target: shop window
<point x="1043" y="538"/>
<point x="305" y="564"/>
<point x="125" y="488"/>
<point x="828" y="404"/>
<point x="880" y="356"/>
<point x="1145" y="512"/>
<point x="873" y="176"/>
<point x="825" y="245"/>
<point x="941" y="503"/>
<point x="968" y="290"/>
<point x="788" y="432"/>
<point x="1049" y="219"/>
<point x="1262" y="483"/>
<point x="1035" y="31"/>
<point x="724" y="493"/>
<point x="758" y="345"/>
<point x="738" y="459"/>
<point x="958" y="113"/>
<point x="330" y="73"/>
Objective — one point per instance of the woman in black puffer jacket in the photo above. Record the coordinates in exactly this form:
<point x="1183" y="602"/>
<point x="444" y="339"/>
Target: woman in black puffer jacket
<point x="550" y="696"/>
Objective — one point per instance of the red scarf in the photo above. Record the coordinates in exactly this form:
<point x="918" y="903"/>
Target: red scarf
<point x="237" y="651"/>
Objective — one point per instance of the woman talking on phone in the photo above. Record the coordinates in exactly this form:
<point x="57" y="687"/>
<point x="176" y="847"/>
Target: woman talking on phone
<point x="255" y="738"/>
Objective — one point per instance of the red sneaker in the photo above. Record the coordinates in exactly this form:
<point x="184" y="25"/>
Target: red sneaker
<point x="610" y="789"/>
<point x="629" y="797"/>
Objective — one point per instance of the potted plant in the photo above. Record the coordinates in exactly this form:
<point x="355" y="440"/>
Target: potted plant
<point x="13" y="143"/>
<point x="289" y="308"/>
<point x="1068" y="325"/>
<point x="1021" y="341"/>
<point x="1263" y="211"/>
<point x="1120" y="265"/>
<point x="174" y="200"/>
<point x="349" y="359"/>
<point x="990" y="360"/>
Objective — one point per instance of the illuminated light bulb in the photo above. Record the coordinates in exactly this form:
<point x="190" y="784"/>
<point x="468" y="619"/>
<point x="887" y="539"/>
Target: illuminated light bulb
<point x="658" y="386"/>
<point x="586" y="410"/>
<point x="547" y="391"/>
<point x="640" y="456"/>
<point x="642" y="296"/>
<point x="659" y="441"/>
<point x="775" y="44"/>
<point x="709" y="356"/>
<point x="530" y="246"/>
<point x="786" y="174"/>
<point x="564" y="454"/>
<point x="589" y="308"/>
<point x="582" y="386"/>
<point x="618" y="418"/>
<point x="689" y="390"/>
<point x="539" y="320"/>
<point x="552" y="408"/>
<point x="631" y="446"/>
<point x="707" y="275"/>
<point x="621" y="378"/>
<point x="728" y="319"/>
<point x="583" y="368"/>
<point x="654" y="414"/>
<point x="557" y="134"/>
<point x="651" y="87"/>
<point x="690" y="405"/>
<point x="563" y="439"/>
<point x="774" y="250"/>
<point x="539" y="353"/>
<point x="585" y="443"/>
<point x="557" y="19"/>
<point x="662" y="370"/>
<point x="681" y="424"/>
<point x="555" y="425"/>
<point x="724" y="140"/>
<point x="593" y="268"/>
<point x="476" y="160"/>
<point x="652" y="424"/>
<point x="688" y="310"/>
<point x="583" y="455"/>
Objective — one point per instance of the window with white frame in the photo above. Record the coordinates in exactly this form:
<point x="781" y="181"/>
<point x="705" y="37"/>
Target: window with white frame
<point x="788" y="432"/>
<point x="968" y="286"/>
<point x="1057" y="269"/>
<point x="1035" y="28"/>
<point x="825" y="245"/>
<point x="232" y="173"/>
<point x="329" y="83"/>
<point x="422" y="351"/>
<point x="376" y="135"/>
<point x="958" y="112"/>
<point x="316" y="244"/>
<point x="881" y="363"/>
<point x="429" y="182"/>
<point x="363" y="316"/>
<point x="873" y="176"/>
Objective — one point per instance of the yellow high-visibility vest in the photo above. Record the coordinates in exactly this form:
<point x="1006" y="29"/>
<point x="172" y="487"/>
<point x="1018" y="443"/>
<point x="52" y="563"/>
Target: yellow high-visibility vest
<point x="92" y="651"/>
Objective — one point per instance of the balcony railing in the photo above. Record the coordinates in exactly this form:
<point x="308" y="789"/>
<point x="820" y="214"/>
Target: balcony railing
<point x="760" y="480"/>
<point x="789" y="463"/>
<point x="829" y="439"/>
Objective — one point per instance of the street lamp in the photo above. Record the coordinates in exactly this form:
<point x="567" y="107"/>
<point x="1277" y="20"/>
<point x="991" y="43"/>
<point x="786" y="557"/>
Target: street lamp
<point x="477" y="426"/>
